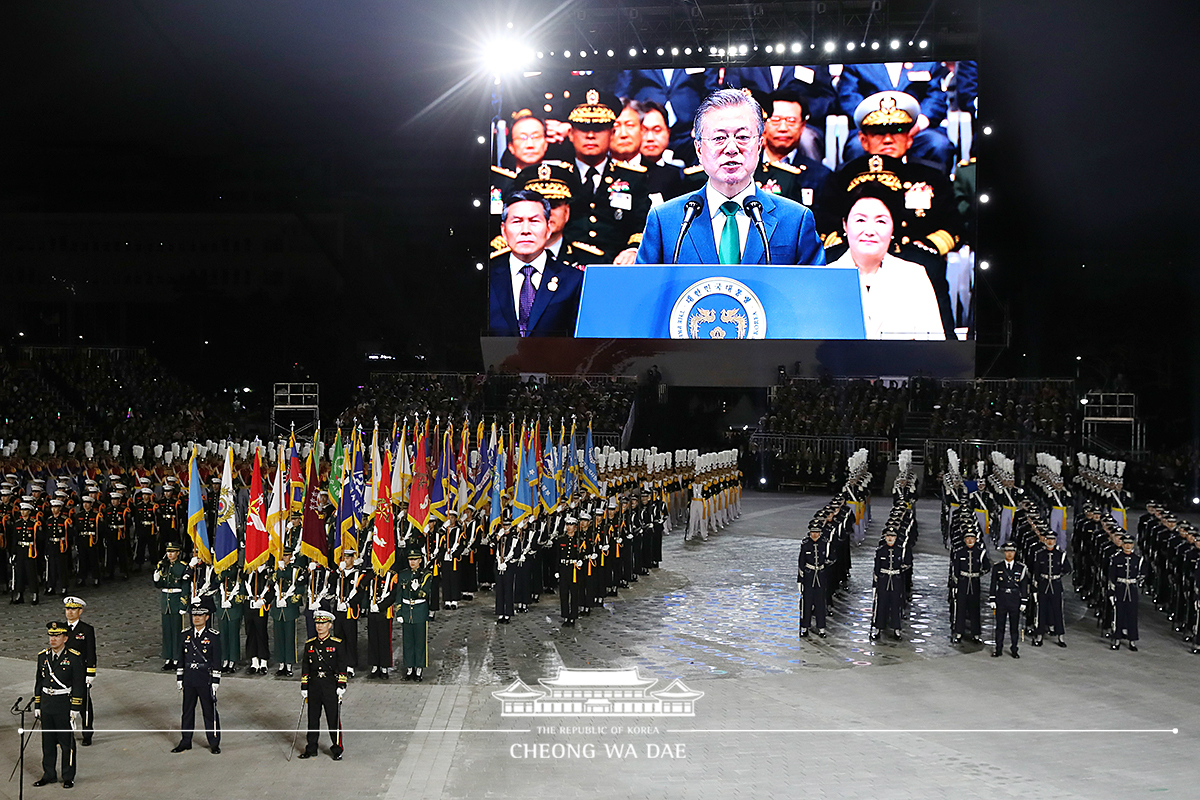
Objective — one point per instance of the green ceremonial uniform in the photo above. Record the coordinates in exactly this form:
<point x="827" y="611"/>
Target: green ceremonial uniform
<point x="413" y="590"/>
<point x="289" y="593"/>
<point x="231" y="608"/>
<point x="172" y="580"/>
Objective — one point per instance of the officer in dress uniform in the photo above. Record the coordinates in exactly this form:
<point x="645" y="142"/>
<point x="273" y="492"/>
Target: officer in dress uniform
<point x="1050" y="565"/>
<point x="888" y="584"/>
<point x="609" y="208"/>
<point x="88" y="539"/>
<point x="58" y="692"/>
<point x="348" y="586"/>
<point x="1125" y="571"/>
<point x="198" y="676"/>
<point x="1007" y="597"/>
<point x="81" y="637"/>
<point x="173" y="579"/>
<point x="323" y="684"/>
<point x="57" y="531"/>
<point x="811" y="579"/>
<point x="381" y="609"/>
<point x="506" y="556"/>
<point x="569" y="562"/>
<point x="260" y="588"/>
<point x="25" y="541"/>
<point x="412" y="589"/>
<point x="968" y="563"/>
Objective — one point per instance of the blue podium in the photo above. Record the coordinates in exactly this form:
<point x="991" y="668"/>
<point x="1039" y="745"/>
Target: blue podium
<point x="713" y="301"/>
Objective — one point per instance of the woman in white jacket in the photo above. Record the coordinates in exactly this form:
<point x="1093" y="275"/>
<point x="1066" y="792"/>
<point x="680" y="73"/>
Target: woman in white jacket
<point x="897" y="299"/>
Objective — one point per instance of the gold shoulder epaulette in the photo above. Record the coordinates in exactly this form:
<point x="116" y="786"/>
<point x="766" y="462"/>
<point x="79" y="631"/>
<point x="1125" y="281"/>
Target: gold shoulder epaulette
<point x="498" y="242"/>
<point x="832" y="239"/>
<point x="786" y="167"/>
<point x="503" y="251"/>
<point x="966" y="162"/>
<point x="73" y="650"/>
<point x="334" y="638"/>
<point x="313" y="639"/>
<point x="631" y="167"/>
<point x="692" y="170"/>
<point x="508" y="173"/>
<point x="587" y="248"/>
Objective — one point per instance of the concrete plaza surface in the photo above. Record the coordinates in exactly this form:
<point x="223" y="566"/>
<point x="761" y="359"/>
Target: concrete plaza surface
<point x="779" y="716"/>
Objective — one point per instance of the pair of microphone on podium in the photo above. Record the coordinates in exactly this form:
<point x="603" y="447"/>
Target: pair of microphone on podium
<point x="751" y="205"/>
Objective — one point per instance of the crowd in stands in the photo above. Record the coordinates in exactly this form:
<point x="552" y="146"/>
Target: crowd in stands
<point x="997" y="410"/>
<point x="845" y="408"/>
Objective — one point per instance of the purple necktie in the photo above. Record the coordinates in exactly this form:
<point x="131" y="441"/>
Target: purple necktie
<point x="526" y="303"/>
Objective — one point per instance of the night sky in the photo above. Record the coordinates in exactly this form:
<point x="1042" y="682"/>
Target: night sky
<point x="142" y="105"/>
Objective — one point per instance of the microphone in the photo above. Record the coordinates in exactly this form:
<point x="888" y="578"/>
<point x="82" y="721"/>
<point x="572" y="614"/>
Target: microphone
<point x="753" y="209"/>
<point x="690" y="210"/>
<point x="16" y="705"/>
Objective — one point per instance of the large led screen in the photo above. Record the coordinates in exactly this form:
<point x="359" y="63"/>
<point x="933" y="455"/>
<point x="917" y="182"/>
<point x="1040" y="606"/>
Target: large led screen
<point x="823" y="202"/>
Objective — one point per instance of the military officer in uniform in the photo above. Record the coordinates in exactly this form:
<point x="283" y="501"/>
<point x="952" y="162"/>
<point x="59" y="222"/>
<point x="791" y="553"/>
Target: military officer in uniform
<point x="198" y="677"/>
<point x="412" y="589"/>
<point x="609" y="209"/>
<point x="58" y="692"/>
<point x="1007" y="598"/>
<point x="1050" y="565"/>
<point x="348" y="584"/>
<point x="554" y="180"/>
<point x="88" y="538"/>
<point x="381" y="608"/>
<point x="289" y="582"/>
<point x="173" y="579"/>
<point x="570" y="576"/>
<point x="81" y="637"/>
<point x="25" y="539"/>
<point x="323" y="684"/>
<point x="231" y="609"/>
<point x="259" y="596"/>
<point x="58" y="532"/>
<point x="810" y="580"/>
<point x="888" y="586"/>
<point x="1125" y="571"/>
<point x="968" y="563"/>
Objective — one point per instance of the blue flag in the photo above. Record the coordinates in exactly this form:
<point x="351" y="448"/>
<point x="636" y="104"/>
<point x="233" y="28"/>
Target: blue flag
<point x="588" y="475"/>
<point x="197" y="527"/>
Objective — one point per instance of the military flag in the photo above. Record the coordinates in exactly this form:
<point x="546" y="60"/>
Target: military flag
<point x="225" y="541"/>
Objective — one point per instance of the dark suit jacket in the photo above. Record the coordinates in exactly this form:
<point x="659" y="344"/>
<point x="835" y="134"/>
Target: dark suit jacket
<point x="791" y="233"/>
<point x="820" y="94"/>
<point x="554" y="309"/>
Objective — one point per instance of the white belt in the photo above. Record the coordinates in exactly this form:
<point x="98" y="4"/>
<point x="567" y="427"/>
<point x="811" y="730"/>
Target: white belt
<point x="171" y="591"/>
<point x="56" y="692"/>
<point x="1127" y="580"/>
<point x="970" y="574"/>
<point x="413" y="602"/>
<point x="890" y="571"/>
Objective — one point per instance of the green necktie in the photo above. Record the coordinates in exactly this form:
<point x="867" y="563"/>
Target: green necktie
<point x="730" y="251"/>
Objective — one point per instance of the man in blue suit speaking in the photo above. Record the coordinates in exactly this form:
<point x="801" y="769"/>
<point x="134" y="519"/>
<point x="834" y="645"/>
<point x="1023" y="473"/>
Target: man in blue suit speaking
<point x="532" y="293"/>
<point x="728" y="220"/>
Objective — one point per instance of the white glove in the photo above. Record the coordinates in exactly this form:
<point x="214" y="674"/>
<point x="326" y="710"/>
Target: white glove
<point x="502" y="568"/>
<point x="195" y="562"/>
<point x="304" y="693"/>
<point x="214" y="688"/>
<point x="256" y="604"/>
<point x="89" y="680"/>
<point x="281" y="602"/>
<point x="1022" y="608"/>
<point x="312" y="566"/>
<point x="37" y="713"/>
<point x="179" y="685"/>
<point x="800" y="588"/>
<point x="992" y="606"/>
<point x="374" y="608"/>
<point x="341" y="693"/>
<point x="74" y="719"/>
<point x="226" y="604"/>
<point x="343" y="606"/>
<point x="195" y="599"/>
<point x="521" y="560"/>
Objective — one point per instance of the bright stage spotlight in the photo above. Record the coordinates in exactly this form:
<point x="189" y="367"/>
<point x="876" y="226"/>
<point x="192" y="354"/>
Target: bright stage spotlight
<point x="566" y="53"/>
<point x="895" y="44"/>
<point x="687" y="51"/>
<point x="481" y="140"/>
<point x="660" y="51"/>
<point x="611" y="53"/>
<point x="830" y="47"/>
<point x="479" y="266"/>
<point x="779" y="47"/>
<point x="476" y="202"/>
<point x="632" y="52"/>
<point x="743" y="49"/>
<point x="984" y="265"/>
<point x="674" y="51"/>
<point x="874" y="45"/>
<point x="983" y="198"/>
<point x="923" y="44"/>
<point x="506" y="55"/>
<point x="849" y="45"/>
<point x="987" y="130"/>
<point x="795" y="47"/>
<point x="770" y="49"/>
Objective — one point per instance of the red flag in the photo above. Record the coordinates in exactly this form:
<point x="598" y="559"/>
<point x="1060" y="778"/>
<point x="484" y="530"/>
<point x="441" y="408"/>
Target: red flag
<point x="383" y="543"/>
<point x="313" y="541"/>
<point x="418" y="501"/>
<point x="257" y="540"/>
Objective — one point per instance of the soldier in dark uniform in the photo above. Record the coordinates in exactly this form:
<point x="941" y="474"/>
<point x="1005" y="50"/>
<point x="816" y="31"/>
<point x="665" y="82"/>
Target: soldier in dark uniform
<point x="26" y="544"/>
<point x="811" y="580"/>
<point x="81" y="637"/>
<point x="260" y="594"/>
<point x="506" y="556"/>
<point x="1050" y="565"/>
<point x="1125" y="571"/>
<point x="58" y="692"/>
<point x="323" y="683"/>
<point x="412" y="590"/>
<point x="168" y="513"/>
<point x="57" y="532"/>
<point x="173" y="579"/>
<point x="381" y="608"/>
<point x="1007" y="598"/>
<point x="888" y="584"/>
<point x="968" y="563"/>
<point x="609" y="209"/>
<point x="928" y="227"/>
<point x="348" y="586"/>
<point x="145" y="521"/>
<point x="88" y="541"/>
<point x="567" y="557"/>
<point x="198" y="676"/>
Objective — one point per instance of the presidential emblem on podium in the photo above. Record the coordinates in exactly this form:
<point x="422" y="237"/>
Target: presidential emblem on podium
<point x="718" y="308"/>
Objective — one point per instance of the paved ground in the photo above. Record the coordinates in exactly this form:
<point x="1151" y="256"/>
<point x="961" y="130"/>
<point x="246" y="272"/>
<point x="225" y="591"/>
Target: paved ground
<point x="841" y="717"/>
